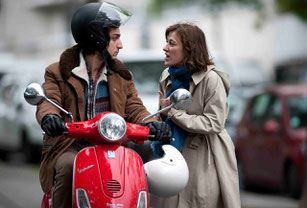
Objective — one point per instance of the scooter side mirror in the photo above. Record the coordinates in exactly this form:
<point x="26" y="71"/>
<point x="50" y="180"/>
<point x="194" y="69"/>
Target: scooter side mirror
<point x="181" y="99"/>
<point x="34" y="94"/>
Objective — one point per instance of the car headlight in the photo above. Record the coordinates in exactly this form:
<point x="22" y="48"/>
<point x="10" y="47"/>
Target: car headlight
<point x="112" y="127"/>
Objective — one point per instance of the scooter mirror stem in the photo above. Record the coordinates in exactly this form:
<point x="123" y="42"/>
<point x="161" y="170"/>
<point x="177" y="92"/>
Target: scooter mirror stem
<point x="160" y="111"/>
<point x="181" y="100"/>
<point x="62" y="109"/>
<point x="35" y="94"/>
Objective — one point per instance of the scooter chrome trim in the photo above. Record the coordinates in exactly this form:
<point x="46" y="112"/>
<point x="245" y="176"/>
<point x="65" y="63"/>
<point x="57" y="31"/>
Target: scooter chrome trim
<point x="142" y="201"/>
<point x="82" y="199"/>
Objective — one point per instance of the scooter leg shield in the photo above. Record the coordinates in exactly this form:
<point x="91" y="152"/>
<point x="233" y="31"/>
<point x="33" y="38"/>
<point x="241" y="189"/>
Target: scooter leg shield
<point x="108" y="176"/>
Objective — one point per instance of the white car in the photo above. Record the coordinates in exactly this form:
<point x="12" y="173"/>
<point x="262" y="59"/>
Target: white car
<point x="18" y="126"/>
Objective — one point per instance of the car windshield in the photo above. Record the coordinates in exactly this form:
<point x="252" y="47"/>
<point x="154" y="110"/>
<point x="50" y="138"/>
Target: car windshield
<point x="298" y="111"/>
<point x="146" y="74"/>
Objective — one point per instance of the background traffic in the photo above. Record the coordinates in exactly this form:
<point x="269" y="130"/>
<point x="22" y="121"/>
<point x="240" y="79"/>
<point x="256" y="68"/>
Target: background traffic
<point x="261" y="52"/>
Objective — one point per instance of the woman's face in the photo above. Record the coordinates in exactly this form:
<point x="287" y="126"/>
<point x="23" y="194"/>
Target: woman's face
<point x="174" y="54"/>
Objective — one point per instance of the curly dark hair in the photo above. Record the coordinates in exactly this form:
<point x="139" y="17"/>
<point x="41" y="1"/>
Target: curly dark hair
<point x="89" y="49"/>
<point x="194" y="45"/>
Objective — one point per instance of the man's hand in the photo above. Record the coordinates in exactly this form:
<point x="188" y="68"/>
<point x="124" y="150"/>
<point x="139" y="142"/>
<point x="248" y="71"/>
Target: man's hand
<point x="160" y="130"/>
<point x="52" y="125"/>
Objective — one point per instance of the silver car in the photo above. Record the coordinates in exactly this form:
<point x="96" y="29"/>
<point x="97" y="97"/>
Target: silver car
<point x="18" y="126"/>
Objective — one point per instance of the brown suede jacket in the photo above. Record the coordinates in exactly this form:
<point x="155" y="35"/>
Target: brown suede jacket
<point x="67" y="90"/>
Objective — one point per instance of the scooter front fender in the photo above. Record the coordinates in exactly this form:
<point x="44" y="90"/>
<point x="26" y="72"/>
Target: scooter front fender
<point x="110" y="175"/>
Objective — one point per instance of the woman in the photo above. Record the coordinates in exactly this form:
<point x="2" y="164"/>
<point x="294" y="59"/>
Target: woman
<point x="199" y="131"/>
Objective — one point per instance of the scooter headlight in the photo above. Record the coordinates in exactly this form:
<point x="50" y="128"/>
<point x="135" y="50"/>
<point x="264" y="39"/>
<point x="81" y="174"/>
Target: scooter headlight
<point x="112" y="127"/>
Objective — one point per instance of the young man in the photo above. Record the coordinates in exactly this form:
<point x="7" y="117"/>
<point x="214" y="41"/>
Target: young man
<point x="88" y="80"/>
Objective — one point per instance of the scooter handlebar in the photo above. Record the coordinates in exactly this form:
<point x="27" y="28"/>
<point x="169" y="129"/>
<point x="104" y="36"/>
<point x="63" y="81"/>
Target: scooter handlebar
<point x="163" y="140"/>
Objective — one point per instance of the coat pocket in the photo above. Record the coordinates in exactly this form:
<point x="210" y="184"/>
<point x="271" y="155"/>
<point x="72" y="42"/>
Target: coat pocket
<point x="194" y="141"/>
<point x="48" y="142"/>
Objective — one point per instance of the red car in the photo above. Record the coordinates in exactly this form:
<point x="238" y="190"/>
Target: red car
<point x="270" y="139"/>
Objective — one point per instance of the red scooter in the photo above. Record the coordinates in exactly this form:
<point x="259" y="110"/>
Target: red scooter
<point x="111" y="175"/>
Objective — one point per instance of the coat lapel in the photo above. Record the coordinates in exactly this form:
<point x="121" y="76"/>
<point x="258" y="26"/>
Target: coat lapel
<point x="198" y="76"/>
<point x="79" y="89"/>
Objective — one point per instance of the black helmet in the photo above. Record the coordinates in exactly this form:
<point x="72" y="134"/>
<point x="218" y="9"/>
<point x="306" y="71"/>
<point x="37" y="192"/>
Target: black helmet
<point x="90" y="23"/>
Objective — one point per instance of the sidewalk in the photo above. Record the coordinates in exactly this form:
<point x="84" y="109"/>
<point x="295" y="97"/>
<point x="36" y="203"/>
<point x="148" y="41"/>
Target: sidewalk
<point x="256" y="200"/>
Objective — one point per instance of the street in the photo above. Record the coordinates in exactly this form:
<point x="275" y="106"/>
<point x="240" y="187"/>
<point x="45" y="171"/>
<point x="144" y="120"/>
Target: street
<point x="20" y="188"/>
<point x="19" y="184"/>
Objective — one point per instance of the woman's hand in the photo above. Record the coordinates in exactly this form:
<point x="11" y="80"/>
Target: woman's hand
<point x="164" y="102"/>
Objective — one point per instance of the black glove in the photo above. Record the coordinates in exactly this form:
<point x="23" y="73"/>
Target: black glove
<point x="160" y="130"/>
<point x="52" y="125"/>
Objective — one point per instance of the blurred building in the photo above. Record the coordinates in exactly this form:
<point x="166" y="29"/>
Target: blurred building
<point x="35" y="29"/>
<point x="40" y="30"/>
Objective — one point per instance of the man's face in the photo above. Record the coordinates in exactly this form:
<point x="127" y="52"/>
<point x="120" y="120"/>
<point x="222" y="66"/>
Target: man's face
<point x="115" y="42"/>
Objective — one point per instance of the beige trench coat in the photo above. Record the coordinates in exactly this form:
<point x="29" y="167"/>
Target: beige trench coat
<point x="208" y="150"/>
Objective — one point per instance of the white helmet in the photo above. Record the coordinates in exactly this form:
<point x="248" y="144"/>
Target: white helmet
<point x="167" y="176"/>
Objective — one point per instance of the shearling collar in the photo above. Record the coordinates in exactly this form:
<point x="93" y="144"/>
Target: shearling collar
<point x="70" y="59"/>
<point x="81" y="71"/>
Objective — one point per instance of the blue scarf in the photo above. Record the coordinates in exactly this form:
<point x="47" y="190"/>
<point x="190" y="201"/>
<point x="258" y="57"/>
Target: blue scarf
<point x="180" y="79"/>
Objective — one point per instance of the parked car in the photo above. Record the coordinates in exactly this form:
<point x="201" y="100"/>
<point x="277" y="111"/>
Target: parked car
<point x="146" y="66"/>
<point x="7" y="60"/>
<point x="236" y="102"/>
<point x="291" y="71"/>
<point x="270" y="138"/>
<point x="18" y="126"/>
<point x="245" y="78"/>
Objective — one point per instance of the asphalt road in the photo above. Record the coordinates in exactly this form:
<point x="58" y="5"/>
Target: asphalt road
<point x="19" y="188"/>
